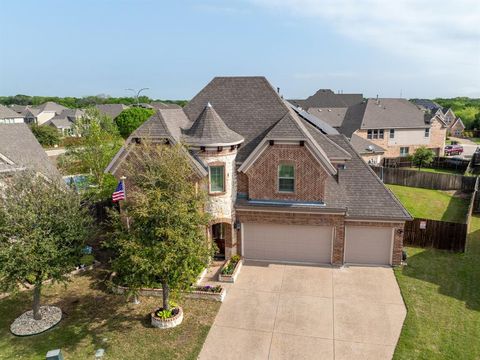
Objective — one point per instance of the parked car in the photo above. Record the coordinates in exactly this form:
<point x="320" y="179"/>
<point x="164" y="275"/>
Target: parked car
<point x="453" y="150"/>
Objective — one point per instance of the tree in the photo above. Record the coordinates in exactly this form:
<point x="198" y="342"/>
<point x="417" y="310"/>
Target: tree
<point x="130" y="119"/>
<point x="423" y="157"/>
<point x="46" y="135"/>
<point x="101" y="141"/>
<point x="43" y="228"/>
<point x="166" y="241"/>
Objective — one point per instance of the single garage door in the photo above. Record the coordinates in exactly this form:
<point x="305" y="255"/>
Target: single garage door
<point x="295" y="243"/>
<point x="368" y="245"/>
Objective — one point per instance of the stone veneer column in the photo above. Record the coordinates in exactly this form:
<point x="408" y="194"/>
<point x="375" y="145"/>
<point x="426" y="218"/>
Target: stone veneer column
<point x="338" y="243"/>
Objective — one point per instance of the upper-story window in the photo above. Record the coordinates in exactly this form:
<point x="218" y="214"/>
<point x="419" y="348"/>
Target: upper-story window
<point x="217" y="179"/>
<point x="392" y="133"/>
<point x="286" y="178"/>
<point x="427" y="132"/>
<point x="375" y="134"/>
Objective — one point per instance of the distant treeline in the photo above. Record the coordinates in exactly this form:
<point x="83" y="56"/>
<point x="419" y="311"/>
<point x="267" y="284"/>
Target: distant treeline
<point x="466" y="108"/>
<point x="82" y="102"/>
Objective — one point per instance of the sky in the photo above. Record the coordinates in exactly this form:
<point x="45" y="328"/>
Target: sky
<point x="401" y="48"/>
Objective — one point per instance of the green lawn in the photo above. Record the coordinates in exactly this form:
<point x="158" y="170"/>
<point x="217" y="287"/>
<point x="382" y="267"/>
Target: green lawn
<point x="94" y="319"/>
<point x="442" y="293"/>
<point x="475" y="140"/>
<point x="437" y="171"/>
<point x="432" y="204"/>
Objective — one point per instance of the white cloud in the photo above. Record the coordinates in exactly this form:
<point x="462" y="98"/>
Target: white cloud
<point x="443" y="35"/>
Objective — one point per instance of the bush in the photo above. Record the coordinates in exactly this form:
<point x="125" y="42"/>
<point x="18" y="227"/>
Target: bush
<point x="130" y="119"/>
<point x="87" y="259"/>
<point x="46" y="135"/>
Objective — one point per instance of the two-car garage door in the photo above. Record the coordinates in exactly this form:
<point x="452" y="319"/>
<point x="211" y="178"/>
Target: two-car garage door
<point x="290" y="243"/>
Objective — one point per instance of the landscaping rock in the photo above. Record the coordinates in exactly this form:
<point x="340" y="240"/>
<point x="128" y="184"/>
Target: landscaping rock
<point x="26" y="325"/>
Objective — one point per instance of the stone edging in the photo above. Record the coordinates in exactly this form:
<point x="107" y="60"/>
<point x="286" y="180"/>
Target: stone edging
<point x="157" y="292"/>
<point x="233" y="277"/>
<point x="166" y="323"/>
<point x="25" y="325"/>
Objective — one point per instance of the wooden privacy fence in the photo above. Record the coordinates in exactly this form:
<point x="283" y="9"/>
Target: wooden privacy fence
<point x="439" y="162"/>
<point x="424" y="179"/>
<point x="437" y="234"/>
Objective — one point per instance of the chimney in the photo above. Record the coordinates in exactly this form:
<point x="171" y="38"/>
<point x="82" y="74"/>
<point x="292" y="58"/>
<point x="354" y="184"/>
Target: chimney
<point x="278" y="90"/>
<point x="378" y="102"/>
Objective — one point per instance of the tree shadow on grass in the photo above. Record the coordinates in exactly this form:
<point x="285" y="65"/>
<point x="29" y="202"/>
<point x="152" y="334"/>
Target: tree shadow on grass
<point x="90" y="313"/>
<point x="456" y="274"/>
<point x="457" y="208"/>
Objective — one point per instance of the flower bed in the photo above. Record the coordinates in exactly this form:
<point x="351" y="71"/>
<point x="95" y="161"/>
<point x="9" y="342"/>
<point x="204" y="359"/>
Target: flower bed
<point x="231" y="269"/>
<point x="206" y="292"/>
<point x="165" y="319"/>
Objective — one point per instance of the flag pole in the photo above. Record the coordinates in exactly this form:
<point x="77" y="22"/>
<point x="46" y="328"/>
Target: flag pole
<point x="122" y="179"/>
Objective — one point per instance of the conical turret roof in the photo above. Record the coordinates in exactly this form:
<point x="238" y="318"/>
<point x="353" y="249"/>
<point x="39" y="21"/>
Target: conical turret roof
<point x="210" y="130"/>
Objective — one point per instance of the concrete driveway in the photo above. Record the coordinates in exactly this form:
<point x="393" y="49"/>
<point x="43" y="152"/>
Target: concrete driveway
<point x="278" y="311"/>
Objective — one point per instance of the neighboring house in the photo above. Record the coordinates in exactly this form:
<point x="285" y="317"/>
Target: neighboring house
<point x="371" y="153"/>
<point x="426" y="104"/>
<point x="20" y="150"/>
<point x="456" y="128"/>
<point x="282" y="185"/>
<point x="42" y="113"/>
<point x="161" y="105"/>
<point x="111" y="110"/>
<point x="64" y="122"/>
<point x="9" y="116"/>
<point x="327" y="99"/>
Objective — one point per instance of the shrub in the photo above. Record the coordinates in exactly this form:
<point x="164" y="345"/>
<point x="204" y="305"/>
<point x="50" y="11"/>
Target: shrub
<point x="87" y="259"/>
<point x="46" y="135"/>
<point x="130" y="119"/>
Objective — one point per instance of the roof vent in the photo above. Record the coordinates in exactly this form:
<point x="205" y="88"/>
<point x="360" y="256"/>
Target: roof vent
<point x="370" y="147"/>
<point x="209" y="105"/>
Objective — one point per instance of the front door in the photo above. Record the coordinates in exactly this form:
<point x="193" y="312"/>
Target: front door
<point x="218" y="236"/>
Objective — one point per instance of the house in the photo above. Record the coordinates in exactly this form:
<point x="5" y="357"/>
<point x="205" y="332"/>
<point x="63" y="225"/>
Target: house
<point x="20" y="150"/>
<point x="370" y="152"/>
<point x="282" y="184"/>
<point x="64" y="122"/>
<point x="8" y="116"/>
<point x="41" y="114"/>
<point x="111" y="110"/>
<point x="327" y="99"/>
<point x="454" y="123"/>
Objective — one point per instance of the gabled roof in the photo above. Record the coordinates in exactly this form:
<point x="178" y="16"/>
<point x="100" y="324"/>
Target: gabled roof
<point x="326" y="98"/>
<point x="18" y="144"/>
<point x="18" y="108"/>
<point x="51" y="106"/>
<point x="7" y="113"/>
<point x="111" y="110"/>
<point x="285" y="128"/>
<point x="365" y="147"/>
<point x="161" y="105"/>
<point x="388" y="113"/>
<point x="210" y="130"/>
<point x="457" y="121"/>
<point x="332" y="116"/>
<point x="60" y="122"/>
<point x="248" y="105"/>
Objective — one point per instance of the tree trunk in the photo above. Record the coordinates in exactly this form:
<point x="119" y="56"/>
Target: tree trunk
<point x="165" y="295"/>
<point x="36" y="302"/>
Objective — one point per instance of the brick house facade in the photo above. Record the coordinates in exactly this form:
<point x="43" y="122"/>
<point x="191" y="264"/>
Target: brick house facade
<point x="282" y="186"/>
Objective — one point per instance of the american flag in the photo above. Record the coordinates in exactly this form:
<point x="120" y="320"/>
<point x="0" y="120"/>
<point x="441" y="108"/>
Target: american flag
<point x="119" y="193"/>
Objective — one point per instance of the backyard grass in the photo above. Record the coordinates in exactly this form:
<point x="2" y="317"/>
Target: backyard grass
<point x="437" y="171"/>
<point x="442" y="293"/>
<point x="432" y="204"/>
<point x="94" y="319"/>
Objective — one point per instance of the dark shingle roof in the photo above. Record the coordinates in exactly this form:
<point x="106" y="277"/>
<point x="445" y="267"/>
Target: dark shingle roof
<point x="18" y="144"/>
<point x="60" y="122"/>
<point x="210" y="130"/>
<point x="392" y="113"/>
<point x="285" y="128"/>
<point x="365" y="196"/>
<point x="332" y="116"/>
<point x="161" y="105"/>
<point x="426" y="104"/>
<point x="248" y="105"/>
<point x="111" y="110"/>
<point x="326" y="98"/>
<point x="363" y="146"/>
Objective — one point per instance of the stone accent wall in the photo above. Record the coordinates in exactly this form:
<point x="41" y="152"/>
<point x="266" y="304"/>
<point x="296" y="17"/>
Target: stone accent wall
<point x="291" y="218"/>
<point x="397" y="240"/>
<point x="221" y="206"/>
<point x="263" y="174"/>
<point x="438" y="134"/>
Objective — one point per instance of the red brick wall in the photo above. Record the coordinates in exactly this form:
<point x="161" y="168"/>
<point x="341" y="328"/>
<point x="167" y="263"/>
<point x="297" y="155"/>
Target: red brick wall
<point x="309" y="175"/>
